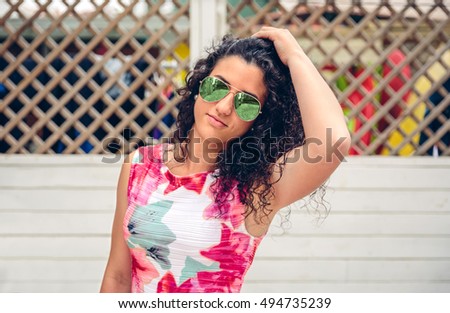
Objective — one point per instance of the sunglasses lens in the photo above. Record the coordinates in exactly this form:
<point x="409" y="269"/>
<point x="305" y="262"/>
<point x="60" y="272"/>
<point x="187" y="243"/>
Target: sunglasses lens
<point x="212" y="89"/>
<point x="247" y="107"/>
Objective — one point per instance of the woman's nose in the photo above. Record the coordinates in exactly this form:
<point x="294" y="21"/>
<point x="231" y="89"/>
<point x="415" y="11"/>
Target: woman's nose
<point x="225" y="106"/>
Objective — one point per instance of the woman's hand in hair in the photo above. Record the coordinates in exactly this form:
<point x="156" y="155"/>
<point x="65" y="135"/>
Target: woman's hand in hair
<point x="285" y="43"/>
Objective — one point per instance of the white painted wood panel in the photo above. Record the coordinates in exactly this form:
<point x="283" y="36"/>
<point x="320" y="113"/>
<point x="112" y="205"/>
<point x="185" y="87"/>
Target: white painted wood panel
<point x="59" y="176"/>
<point x="388" y="230"/>
<point x="327" y="286"/>
<point x="400" y="270"/>
<point x="370" y="224"/>
<point x="48" y="200"/>
<point x="54" y="246"/>
<point x="388" y="201"/>
<point x="73" y="223"/>
<point x="21" y="271"/>
<point x="354" y="247"/>
<point x="363" y="178"/>
<point x="61" y="285"/>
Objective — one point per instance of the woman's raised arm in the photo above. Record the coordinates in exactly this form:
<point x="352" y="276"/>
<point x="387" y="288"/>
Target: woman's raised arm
<point x="327" y="139"/>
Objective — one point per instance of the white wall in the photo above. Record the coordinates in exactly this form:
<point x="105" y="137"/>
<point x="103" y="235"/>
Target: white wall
<point x="388" y="230"/>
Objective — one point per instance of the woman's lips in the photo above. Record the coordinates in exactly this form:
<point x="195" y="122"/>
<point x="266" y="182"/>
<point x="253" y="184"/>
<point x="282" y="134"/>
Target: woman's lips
<point x="216" y="122"/>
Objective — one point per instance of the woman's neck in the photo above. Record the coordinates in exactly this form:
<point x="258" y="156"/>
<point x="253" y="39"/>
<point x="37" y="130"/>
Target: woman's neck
<point x="202" y="155"/>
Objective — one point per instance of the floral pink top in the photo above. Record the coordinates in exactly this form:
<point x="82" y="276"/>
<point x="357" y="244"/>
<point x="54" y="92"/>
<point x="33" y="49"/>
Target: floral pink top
<point x="178" y="238"/>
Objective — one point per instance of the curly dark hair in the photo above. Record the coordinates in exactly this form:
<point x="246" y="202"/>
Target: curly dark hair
<point x="277" y="130"/>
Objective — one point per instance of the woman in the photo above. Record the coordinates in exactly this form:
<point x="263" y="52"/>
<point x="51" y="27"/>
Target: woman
<point x="190" y="215"/>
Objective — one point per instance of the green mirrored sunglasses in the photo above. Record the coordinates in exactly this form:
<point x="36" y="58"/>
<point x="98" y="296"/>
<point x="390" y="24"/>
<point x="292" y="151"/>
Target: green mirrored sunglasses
<point x="213" y="89"/>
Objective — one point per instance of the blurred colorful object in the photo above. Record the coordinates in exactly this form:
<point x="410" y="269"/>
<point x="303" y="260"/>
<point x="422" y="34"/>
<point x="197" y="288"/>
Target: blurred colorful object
<point x="409" y="124"/>
<point x="354" y="99"/>
<point x="396" y="83"/>
<point x="437" y="72"/>
<point x="368" y="109"/>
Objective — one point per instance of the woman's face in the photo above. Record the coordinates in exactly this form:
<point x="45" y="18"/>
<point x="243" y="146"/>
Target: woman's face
<point x="217" y="121"/>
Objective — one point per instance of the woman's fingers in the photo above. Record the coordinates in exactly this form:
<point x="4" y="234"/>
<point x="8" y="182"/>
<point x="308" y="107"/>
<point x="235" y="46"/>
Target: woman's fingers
<point x="284" y="42"/>
<point x="267" y="32"/>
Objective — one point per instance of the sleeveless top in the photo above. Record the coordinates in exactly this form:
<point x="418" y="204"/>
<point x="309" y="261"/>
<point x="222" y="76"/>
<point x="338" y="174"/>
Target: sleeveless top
<point x="180" y="240"/>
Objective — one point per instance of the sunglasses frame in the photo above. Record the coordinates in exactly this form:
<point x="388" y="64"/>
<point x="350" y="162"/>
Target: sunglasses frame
<point x="234" y="97"/>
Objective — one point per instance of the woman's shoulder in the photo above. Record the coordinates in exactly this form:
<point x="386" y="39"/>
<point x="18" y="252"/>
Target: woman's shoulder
<point x="149" y="154"/>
